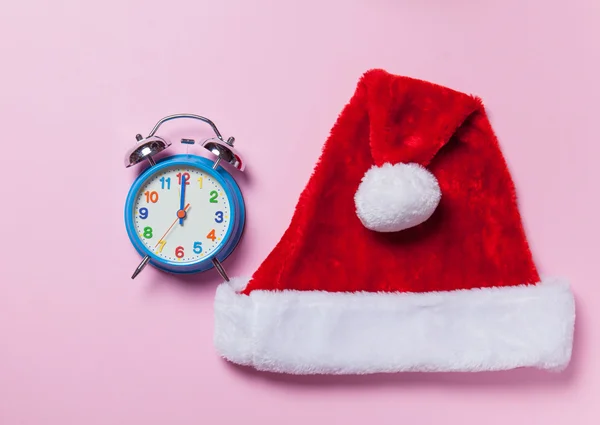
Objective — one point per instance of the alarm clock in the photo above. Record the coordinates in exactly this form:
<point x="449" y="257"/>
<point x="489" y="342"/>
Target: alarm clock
<point x="184" y="213"/>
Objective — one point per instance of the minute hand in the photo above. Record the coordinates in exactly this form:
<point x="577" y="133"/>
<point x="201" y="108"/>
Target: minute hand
<point x="182" y="200"/>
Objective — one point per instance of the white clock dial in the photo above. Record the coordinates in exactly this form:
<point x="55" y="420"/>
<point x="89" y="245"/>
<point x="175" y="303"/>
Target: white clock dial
<point x="157" y="214"/>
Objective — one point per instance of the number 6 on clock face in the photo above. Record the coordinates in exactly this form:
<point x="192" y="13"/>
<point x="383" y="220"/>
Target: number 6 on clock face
<point x="184" y="239"/>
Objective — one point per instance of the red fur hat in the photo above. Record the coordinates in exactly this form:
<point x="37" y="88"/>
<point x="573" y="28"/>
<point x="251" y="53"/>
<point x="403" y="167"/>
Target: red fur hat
<point x="406" y="252"/>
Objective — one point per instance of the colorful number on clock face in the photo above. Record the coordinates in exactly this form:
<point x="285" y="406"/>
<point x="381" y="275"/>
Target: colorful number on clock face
<point x="157" y="213"/>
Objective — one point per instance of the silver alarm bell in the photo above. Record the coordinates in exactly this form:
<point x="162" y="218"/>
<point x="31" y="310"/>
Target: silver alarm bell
<point x="145" y="149"/>
<point x="225" y="152"/>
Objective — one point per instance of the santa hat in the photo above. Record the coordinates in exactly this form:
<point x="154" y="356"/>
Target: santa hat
<point x="406" y="252"/>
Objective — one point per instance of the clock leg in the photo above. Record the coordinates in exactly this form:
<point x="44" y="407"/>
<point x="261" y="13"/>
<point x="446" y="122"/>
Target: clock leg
<point x="220" y="269"/>
<point x="139" y="268"/>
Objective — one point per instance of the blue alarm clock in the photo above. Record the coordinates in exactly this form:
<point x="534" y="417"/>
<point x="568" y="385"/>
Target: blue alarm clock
<point x="184" y="213"/>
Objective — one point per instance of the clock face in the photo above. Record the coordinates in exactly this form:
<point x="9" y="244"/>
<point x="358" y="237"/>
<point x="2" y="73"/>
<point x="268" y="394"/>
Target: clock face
<point x="181" y="214"/>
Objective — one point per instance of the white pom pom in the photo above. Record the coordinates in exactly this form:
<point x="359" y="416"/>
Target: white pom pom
<point x="391" y="198"/>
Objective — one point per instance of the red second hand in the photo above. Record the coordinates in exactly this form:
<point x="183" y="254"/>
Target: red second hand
<point x="174" y="223"/>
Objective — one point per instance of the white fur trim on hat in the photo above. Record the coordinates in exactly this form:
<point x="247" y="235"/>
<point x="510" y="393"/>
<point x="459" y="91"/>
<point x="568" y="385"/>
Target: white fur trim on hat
<point x="318" y="332"/>
<point x="395" y="197"/>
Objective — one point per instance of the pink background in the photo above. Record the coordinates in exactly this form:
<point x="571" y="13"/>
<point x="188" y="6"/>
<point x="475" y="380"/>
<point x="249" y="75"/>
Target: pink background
<point x="80" y="343"/>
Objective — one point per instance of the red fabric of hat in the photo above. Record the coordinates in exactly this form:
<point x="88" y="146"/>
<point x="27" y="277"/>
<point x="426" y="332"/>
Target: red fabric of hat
<point x="406" y="252"/>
